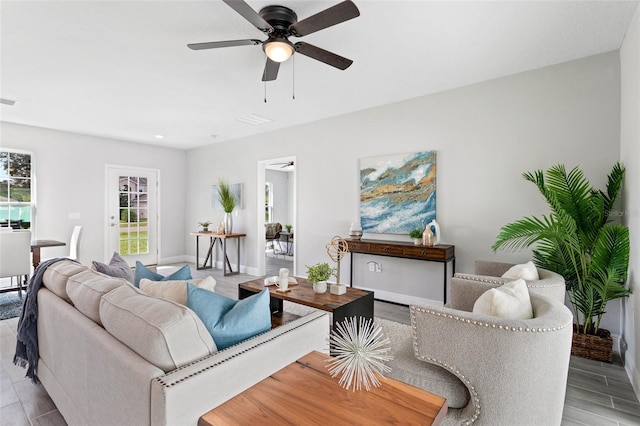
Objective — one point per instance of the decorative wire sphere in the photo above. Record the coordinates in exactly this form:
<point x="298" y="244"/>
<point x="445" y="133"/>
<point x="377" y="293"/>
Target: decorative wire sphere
<point x="337" y="248"/>
<point x="360" y="352"/>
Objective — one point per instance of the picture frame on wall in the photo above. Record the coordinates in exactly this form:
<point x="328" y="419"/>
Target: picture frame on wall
<point x="397" y="192"/>
<point x="237" y="190"/>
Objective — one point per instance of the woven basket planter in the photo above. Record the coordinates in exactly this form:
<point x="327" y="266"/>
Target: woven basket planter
<point x="597" y="347"/>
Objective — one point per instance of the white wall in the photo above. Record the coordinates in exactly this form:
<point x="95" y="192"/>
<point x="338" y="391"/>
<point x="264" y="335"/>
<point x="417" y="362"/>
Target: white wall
<point x="70" y="177"/>
<point x="486" y="136"/>
<point x="630" y="157"/>
<point x="282" y="195"/>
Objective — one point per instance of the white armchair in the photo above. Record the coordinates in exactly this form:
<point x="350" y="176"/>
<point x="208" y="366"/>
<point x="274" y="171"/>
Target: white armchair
<point x="15" y="258"/>
<point x="492" y="371"/>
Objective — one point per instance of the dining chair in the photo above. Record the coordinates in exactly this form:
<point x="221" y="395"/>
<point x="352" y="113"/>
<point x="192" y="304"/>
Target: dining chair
<point x="15" y="259"/>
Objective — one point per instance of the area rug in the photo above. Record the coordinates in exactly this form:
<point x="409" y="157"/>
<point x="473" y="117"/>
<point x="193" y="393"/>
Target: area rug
<point x="10" y="305"/>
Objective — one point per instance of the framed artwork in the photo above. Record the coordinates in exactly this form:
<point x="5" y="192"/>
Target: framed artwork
<point x="236" y="190"/>
<point x="397" y="192"/>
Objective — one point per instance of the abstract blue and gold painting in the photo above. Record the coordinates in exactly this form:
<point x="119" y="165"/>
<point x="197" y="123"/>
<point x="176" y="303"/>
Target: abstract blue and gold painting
<point x="397" y="192"/>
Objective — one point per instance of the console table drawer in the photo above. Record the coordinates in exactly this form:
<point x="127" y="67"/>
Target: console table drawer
<point x="427" y="253"/>
<point x="390" y="250"/>
<point x="358" y="247"/>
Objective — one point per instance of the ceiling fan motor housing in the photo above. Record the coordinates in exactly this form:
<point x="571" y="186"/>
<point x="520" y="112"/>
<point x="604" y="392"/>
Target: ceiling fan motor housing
<point x="280" y="18"/>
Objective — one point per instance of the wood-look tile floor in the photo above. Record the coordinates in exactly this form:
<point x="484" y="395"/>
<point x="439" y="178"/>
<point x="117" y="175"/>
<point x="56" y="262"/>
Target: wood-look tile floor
<point x="597" y="393"/>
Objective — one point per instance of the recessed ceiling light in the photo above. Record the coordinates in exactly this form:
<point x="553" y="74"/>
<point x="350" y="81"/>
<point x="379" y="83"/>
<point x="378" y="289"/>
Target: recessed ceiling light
<point x="214" y="136"/>
<point x="159" y="137"/>
<point x="254" y="119"/>
<point x="9" y="102"/>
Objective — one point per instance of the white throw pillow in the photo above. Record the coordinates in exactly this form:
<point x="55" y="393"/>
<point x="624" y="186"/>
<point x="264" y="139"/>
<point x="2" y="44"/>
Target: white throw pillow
<point x="526" y="271"/>
<point x="510" y="301"/>
<point x="174" y="290"/>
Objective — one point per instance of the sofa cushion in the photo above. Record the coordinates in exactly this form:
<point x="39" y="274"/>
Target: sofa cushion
<point x="87" y="288"/>
<point x="56" y="276"/>
<point x="526" y="271"/>
<point x="509" y="301"/>
<point x="165" y="333"/>
<point x="230" y="321"/>
<point x="174" y="290"/>
<point x="117" y="267"/>
<point x="142" y="271"/>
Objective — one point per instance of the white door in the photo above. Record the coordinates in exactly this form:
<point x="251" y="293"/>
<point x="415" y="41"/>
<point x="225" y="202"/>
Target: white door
<point x="132" y="225"/>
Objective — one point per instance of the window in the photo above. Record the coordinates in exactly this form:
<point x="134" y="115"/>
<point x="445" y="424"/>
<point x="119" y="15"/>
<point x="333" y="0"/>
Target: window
<point x="268" y="203"/>
<point x="16" y="189"/>
<point x="134" y="214"/>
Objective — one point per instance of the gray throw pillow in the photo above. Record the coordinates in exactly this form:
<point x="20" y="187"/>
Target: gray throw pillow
<point x="117" y="267"/>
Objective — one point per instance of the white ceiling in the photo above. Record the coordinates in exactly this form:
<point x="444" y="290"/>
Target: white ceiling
<point x="121" y="69"/>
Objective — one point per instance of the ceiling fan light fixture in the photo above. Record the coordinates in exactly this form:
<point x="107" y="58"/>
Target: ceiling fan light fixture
<point x="278" y="50"/>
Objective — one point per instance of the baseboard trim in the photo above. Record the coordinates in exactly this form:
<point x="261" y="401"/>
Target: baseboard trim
<point x="401" y="299"/>
<point x="634" y="375"/>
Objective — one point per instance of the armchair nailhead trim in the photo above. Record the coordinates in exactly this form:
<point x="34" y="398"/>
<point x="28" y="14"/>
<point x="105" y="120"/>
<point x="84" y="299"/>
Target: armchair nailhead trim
<point x="501" y="327"/>
<point x="475" y="399"/>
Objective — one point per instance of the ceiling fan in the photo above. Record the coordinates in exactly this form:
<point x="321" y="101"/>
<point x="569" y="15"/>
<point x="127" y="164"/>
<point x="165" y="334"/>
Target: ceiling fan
<point x="279" y="23"/>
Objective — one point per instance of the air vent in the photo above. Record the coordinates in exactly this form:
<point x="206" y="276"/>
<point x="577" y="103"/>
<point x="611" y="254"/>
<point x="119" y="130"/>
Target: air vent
<point x="254" y="119"/>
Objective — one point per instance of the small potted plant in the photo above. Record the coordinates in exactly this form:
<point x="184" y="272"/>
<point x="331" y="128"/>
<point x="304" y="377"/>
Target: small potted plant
<point x="205" y="226"/>
<point x="289" y="228"/>
<point x="318" y="275"/>
<point x="416" y="235"/>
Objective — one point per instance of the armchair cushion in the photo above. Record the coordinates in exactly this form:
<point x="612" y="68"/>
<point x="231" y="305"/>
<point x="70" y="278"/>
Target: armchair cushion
<point x="526" y="271"/>
<point x="272" y="230"/>
<point x="510" y="301"/>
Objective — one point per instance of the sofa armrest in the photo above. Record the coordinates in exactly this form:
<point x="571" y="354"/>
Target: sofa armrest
<point x="515" y="370"/>
<point x="181" y="396"/>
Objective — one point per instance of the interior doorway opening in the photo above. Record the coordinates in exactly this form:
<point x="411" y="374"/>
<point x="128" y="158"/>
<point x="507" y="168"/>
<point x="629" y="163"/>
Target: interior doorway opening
<point x="276" y="215"/>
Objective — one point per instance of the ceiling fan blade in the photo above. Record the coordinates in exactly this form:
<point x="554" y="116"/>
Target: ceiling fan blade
<point x="334" y="15"/>
<point x="250" y="15"/>
<point x="322" y="55"/>
<point x="217" y="44"/>
<point x="270" y="70"/>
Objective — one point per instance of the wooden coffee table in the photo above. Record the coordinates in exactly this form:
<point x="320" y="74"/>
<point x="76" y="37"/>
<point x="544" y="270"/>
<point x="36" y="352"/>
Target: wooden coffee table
<point x="304" y="393"/>
<point x="355" y="302"/>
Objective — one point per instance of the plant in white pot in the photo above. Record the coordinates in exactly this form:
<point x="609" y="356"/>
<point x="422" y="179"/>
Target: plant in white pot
<point x="416" y="236"/>
<point x="228" y="202"/>
<point x="318" y="275"/>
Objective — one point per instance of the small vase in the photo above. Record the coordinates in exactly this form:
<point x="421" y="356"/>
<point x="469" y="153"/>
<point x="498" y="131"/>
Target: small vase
<point x="417" y="241"/>
<point x="205" y="229"/>
<point x="228" y="223"/>
<point x="320" y="287"/>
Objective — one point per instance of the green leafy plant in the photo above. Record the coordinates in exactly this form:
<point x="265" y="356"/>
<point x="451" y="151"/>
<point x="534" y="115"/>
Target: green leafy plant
<point x="205" y="224"/>
<point x="320" y="272"/>
<point x="576" y="240"/>
<point x="288" y="227"/>
<point x="416" y="233"/>
<point x="225" y="196"/>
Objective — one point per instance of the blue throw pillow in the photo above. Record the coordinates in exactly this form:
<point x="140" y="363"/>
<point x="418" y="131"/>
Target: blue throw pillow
<point x="230" y="321"/>
<point x="142" y="271"/>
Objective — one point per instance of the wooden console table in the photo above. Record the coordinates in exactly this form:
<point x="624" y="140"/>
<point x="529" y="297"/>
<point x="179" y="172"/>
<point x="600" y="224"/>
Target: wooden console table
<point x="304" y="393"/>
<point x="407" y="250"/>
<point x="213" y="239"/>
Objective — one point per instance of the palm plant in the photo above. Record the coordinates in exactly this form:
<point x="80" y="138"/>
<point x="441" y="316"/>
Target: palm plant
<point x="576" y="240"/>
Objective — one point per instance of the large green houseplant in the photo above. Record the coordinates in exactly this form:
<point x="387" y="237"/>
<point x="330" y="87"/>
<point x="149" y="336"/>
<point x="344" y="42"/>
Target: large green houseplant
<point x="228" y="202"/>
<point x="577" y="240"/>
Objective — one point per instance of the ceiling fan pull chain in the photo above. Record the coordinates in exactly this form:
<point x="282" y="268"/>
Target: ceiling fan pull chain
<point x="265" y="92"/>
<point x="294" y="78"/>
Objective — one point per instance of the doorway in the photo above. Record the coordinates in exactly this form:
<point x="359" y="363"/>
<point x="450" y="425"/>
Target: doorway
<point x="276" y="208"/>
<point x="132" y="206"/>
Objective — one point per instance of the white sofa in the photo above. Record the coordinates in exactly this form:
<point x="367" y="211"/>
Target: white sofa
<point x="95" y="379"/>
